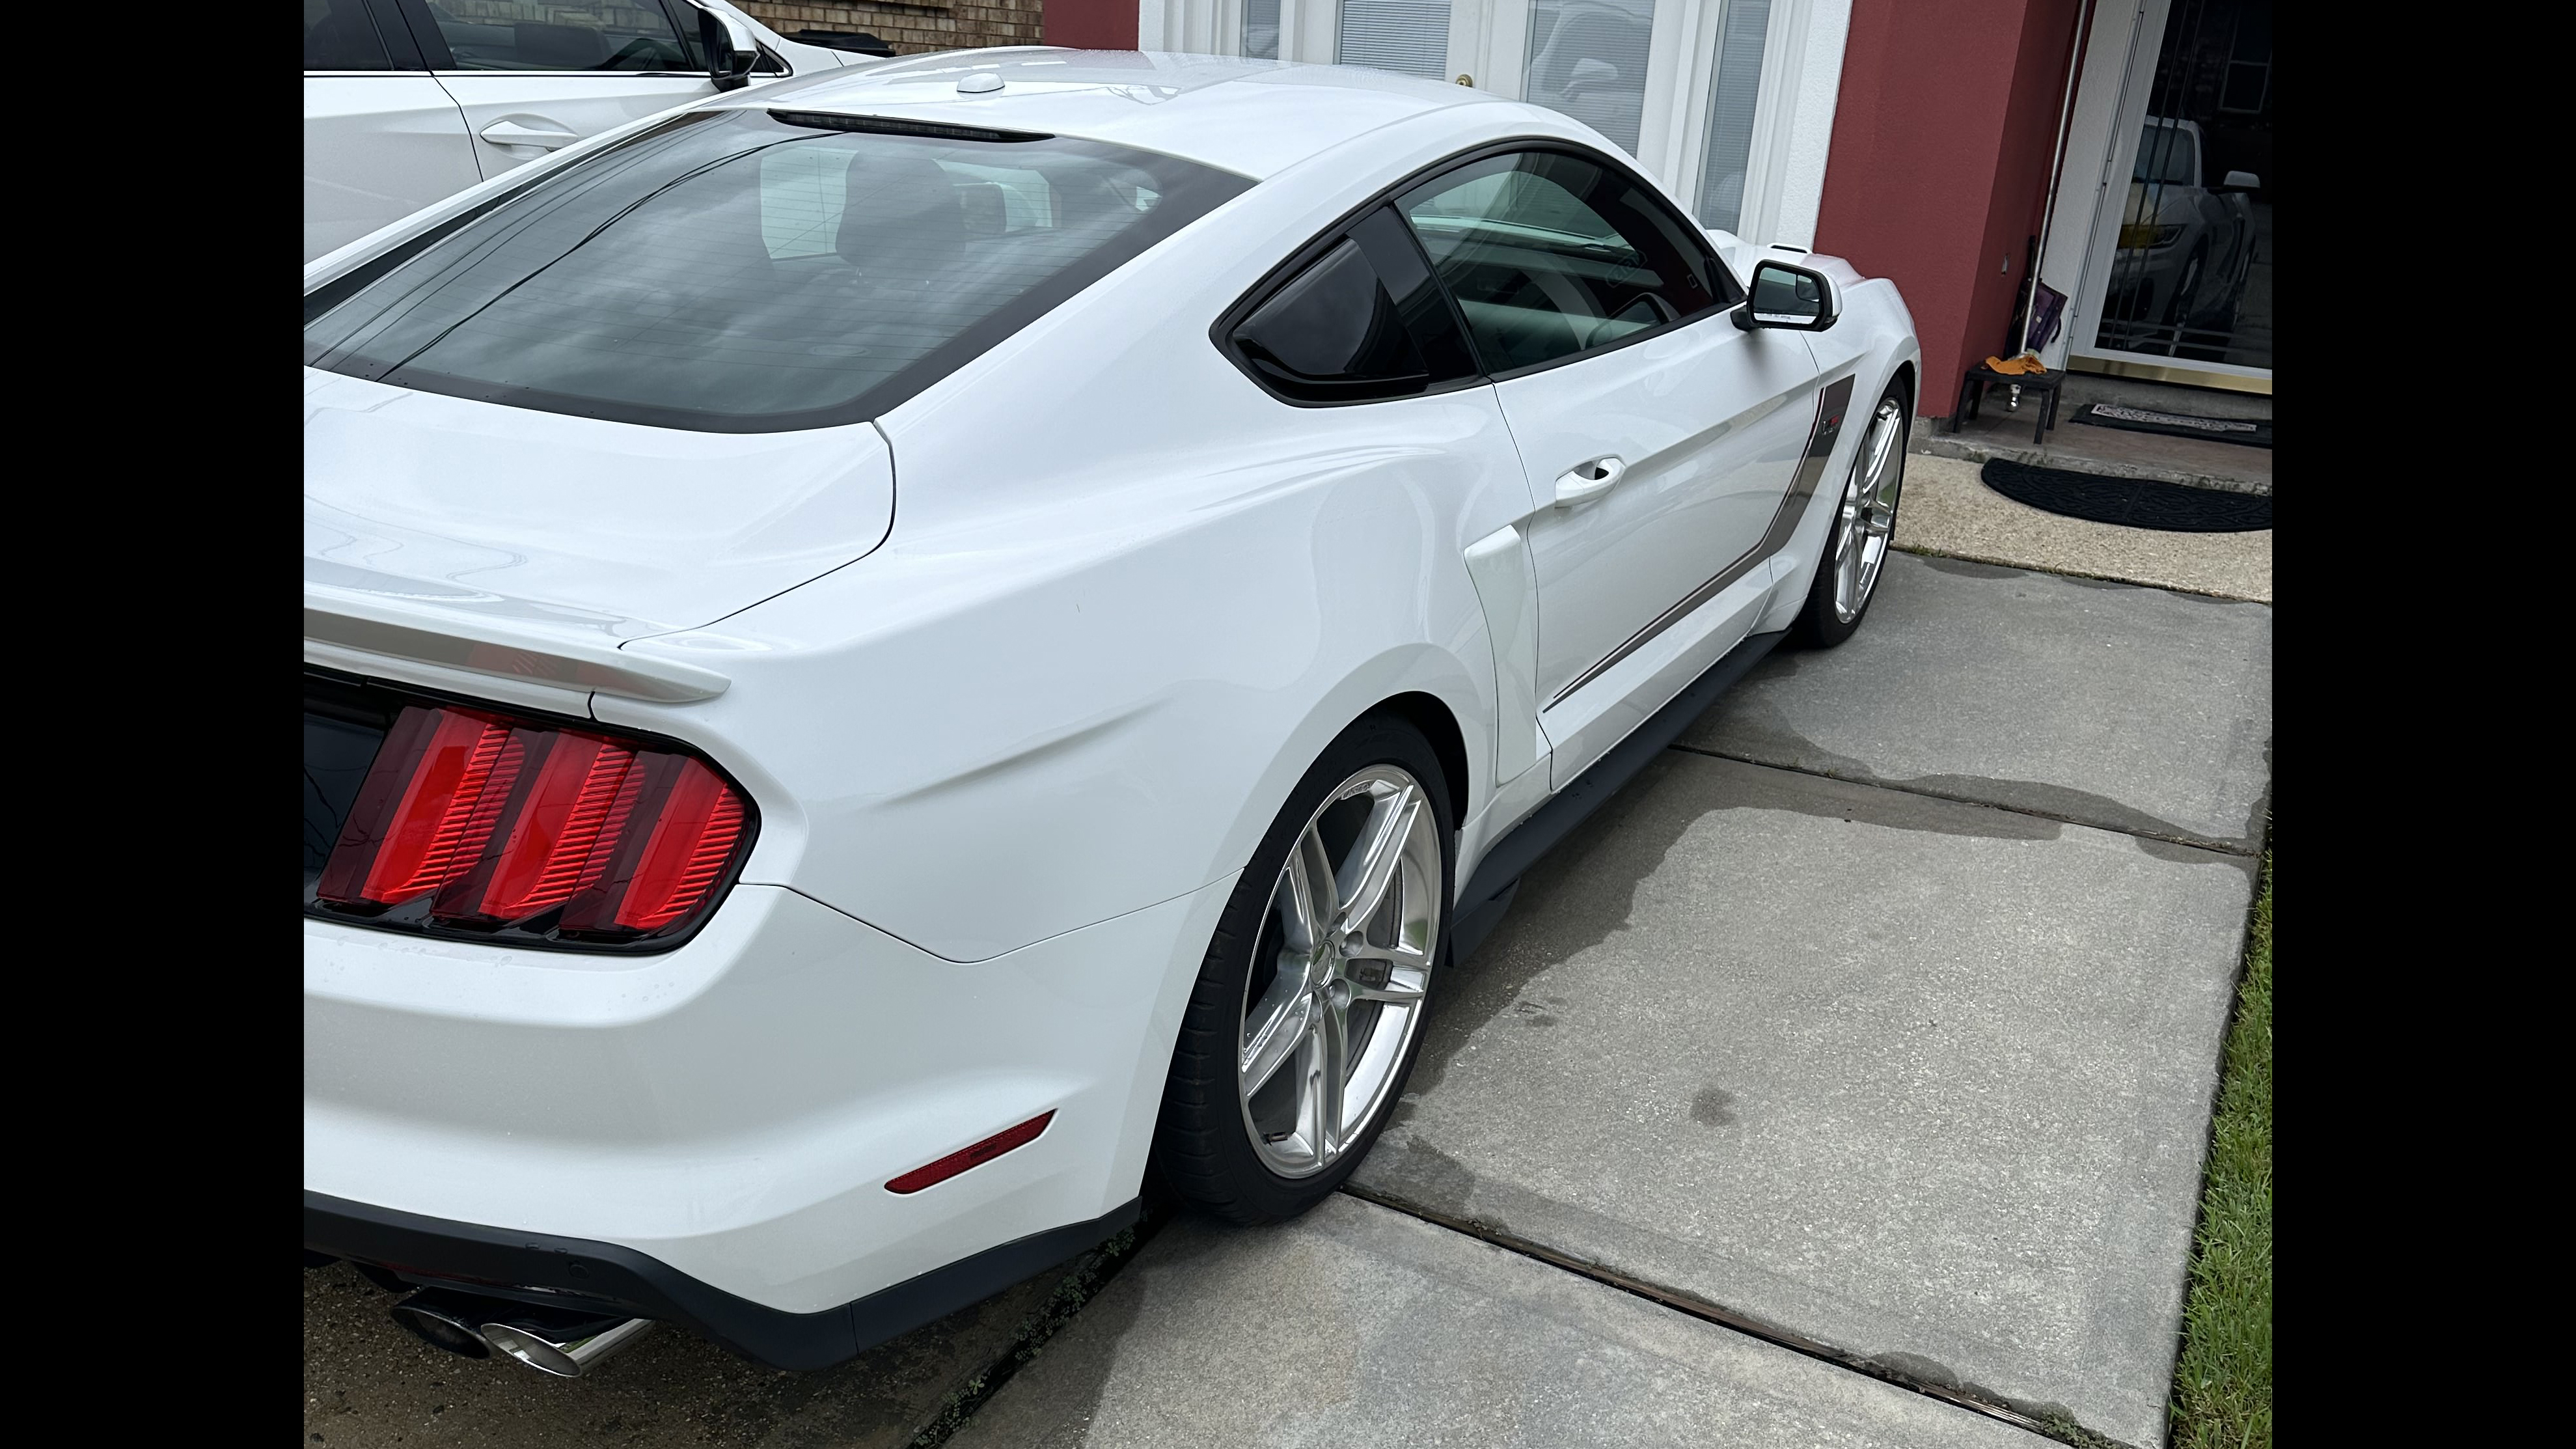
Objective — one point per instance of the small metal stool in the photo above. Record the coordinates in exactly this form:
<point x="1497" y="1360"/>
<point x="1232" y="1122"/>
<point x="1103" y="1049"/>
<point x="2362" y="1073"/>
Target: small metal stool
<point x="1972" y="392"/>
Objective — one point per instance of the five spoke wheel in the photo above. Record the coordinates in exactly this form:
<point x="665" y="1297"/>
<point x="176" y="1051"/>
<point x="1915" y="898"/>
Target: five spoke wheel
<point x="1868" y="514"/>
<point x="1340" y="971"/>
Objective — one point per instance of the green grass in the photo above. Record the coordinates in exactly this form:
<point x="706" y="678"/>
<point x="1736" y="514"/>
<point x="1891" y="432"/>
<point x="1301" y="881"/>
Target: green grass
<point x="2222" y="1395"/>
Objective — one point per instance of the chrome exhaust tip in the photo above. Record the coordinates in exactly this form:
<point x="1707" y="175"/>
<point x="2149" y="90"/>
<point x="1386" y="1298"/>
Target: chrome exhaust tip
<point x="557" y="1344"/>
<point x="446" y="1320"/>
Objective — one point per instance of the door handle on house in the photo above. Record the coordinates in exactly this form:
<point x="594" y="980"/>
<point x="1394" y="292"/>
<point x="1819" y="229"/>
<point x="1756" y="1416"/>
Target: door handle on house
<point x="511" y="133"/>
<point x="1586" y="481"/>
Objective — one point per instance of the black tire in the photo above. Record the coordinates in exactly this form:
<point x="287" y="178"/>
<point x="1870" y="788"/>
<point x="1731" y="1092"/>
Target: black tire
<point x="1202" y="1148"/>
<point x="1820" y="625"/>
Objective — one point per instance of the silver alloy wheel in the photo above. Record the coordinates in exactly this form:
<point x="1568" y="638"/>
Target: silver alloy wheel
<point x="1869" y="512"/>
<point x="1339" y="973"/>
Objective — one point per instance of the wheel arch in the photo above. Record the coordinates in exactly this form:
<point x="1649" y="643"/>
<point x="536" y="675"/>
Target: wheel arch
<point x="1431" y="715"/>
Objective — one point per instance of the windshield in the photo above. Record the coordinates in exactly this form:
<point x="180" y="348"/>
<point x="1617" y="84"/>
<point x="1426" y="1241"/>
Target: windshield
<point x="2165" y="154"/>
<point x="734" y="271"/>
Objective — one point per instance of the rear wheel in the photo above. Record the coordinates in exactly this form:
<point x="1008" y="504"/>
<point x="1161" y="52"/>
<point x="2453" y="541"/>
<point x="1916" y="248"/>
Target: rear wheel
<point x="1309" y="1005"/>
<point x="1863" y="526"/>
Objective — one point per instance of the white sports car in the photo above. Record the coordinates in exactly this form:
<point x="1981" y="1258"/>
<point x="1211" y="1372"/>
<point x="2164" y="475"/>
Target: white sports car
<point x="888" y="654"/>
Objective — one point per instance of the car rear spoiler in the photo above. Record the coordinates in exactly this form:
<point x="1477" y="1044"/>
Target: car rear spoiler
<point x="506" y="648"/>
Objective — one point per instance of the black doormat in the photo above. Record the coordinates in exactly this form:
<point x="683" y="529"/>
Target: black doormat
<point x="2135" y="502"/>
<point x="2252" y="432"/>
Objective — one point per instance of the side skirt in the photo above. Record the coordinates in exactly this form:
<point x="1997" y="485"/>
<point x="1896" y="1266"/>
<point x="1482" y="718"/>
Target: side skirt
<point x="1498" y="876"/>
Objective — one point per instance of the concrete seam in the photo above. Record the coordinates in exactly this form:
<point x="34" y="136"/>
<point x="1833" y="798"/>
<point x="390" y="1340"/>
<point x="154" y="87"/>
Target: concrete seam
<point x="1723" y="1317"/>
<point x="2212" y="846"/>
<point x="1920" y="551"/>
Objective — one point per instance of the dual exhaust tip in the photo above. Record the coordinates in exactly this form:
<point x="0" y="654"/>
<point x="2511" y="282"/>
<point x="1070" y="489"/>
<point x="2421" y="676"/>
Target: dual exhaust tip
<point x="565" y="1342"/>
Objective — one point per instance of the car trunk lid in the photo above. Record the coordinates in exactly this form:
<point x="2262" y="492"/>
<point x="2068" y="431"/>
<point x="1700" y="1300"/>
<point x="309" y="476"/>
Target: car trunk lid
<point x="434" y="526"/>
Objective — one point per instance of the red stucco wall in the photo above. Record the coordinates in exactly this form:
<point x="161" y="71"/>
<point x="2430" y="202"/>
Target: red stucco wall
<point x="1938" y="170"/>
<point x="1091" y="24"/>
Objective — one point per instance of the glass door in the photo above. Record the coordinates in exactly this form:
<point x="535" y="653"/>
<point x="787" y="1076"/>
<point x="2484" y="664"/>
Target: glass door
<point x="2191" y="266"/>
<point x="1409" y="37"/>
<point x="1588" y="59"/>
<point x="1685" y="87"/>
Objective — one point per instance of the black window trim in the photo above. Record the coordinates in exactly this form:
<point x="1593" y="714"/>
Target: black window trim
<point x="1221" y="331"/>
<point x="423" y="27"/>
<point x="392" y="36"/>
<point x="401" y="50"/>
<point x="1277" y="279"/>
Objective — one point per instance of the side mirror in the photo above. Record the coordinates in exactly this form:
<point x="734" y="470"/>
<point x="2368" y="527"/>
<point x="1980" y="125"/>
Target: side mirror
<point x="1788" y="297"/>
<point x="731" y="45"/>
<point x="2241" y="181"/>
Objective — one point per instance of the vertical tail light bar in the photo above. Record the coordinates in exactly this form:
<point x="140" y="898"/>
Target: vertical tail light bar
<point x="521" y="828"/>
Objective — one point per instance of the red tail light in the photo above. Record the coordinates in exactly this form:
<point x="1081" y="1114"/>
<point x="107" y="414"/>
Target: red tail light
<point x="522" y="828"/>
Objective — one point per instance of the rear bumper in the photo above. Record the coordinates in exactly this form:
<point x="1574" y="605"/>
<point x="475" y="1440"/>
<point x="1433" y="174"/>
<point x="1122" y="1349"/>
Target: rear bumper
<point x="708" y="1133"/>
<point x="571" y="1271"/>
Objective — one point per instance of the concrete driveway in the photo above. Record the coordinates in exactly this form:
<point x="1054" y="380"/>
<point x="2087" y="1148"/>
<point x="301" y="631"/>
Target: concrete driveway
<point x="1845" y="1081"/>
<point x="1853" y="1065"/>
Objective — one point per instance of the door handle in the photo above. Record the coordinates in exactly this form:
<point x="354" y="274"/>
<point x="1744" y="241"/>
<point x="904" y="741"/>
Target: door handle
<point x="511" y="133"/>
<point x="1586" y="481"/>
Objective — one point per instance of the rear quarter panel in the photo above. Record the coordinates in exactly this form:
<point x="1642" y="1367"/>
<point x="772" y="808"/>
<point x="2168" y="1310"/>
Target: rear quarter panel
<point x="1128" y="599"/>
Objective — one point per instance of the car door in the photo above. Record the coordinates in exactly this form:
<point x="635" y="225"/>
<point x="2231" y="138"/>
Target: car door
<point x="381" y="139"/>
<point x="533" y="76"/>
<point x="1659" y="438"/>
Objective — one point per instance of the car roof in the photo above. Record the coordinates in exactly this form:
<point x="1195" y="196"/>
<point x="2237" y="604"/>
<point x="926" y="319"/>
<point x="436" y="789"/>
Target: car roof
<point x="1252" y="117"/>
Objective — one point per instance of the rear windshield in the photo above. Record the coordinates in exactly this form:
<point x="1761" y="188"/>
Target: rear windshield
<point x="739" y="272"/>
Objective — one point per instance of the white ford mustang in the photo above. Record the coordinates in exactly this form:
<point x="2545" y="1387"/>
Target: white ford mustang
<point x="886" y="654"/>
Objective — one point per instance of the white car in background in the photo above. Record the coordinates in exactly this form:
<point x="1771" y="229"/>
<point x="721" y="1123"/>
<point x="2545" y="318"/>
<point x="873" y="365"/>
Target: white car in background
<point x="884" y="653"/>
<point x="410" y="101"/>
<point x="2186" y="241"/>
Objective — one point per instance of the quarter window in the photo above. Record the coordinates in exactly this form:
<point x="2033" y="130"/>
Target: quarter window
<point x="516" y="35"/>
<point x="1361" y="323"/>
<point x="1550" y="255"/>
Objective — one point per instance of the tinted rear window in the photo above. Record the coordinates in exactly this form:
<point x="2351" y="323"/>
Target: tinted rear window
<point x="734" y="272"/>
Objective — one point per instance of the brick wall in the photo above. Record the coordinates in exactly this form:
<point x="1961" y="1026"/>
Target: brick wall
<point x="911" y="29"/>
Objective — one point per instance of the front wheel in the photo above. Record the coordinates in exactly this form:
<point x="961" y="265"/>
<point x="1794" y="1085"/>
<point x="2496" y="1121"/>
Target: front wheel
<point x="1309" y="1005"/>
<point x="1863" y="525"/>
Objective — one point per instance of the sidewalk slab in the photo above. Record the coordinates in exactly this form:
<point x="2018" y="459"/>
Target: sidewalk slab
<point x="1926" y="1081"/>
<point x="1357" y="1325"/>
<point x="2130" y="708"/>
<point x="1949" y="510"/>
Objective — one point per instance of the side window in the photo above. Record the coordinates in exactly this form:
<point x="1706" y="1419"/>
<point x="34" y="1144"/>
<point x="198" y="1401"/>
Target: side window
<point x="588" y="35"/>
<point x="1364" y="322"/>
<point x="340" y="35"/>
<point x="1550" y="255"/>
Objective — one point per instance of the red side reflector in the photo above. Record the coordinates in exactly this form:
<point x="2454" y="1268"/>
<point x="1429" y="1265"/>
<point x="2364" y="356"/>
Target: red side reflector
<point x="975" y="1156"/>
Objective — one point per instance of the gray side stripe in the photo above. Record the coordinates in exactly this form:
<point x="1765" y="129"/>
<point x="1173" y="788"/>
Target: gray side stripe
<point x="1828" y="427"/>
